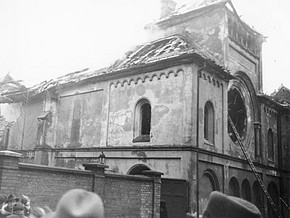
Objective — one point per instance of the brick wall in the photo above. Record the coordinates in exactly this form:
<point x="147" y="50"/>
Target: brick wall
<point x="134" y="195"/>
<point x="123" y="195"/>
<point x="44" y="185"/>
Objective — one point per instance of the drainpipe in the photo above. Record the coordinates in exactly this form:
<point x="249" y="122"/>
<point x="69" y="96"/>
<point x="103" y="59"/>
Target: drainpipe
<point x="197" y="138"/>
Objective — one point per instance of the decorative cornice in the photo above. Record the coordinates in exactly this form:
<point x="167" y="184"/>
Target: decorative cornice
<point x="210" y="79"/>
<point x="270" y="111"/>
<point x="142" y="78"/>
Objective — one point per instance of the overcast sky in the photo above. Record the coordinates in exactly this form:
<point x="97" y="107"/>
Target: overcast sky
<point x="44" y="39"/>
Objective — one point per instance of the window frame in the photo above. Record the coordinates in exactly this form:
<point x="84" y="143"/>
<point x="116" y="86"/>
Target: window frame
<point x="208" y="130"/>
<point x="139" y="121"/>
<point x="270" y="145"/>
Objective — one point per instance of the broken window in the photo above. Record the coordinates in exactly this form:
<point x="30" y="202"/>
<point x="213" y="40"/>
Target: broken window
<point x="142" y="121"/>
<point x="270" y="145"/>
<point x="237" y="112"/>
<point x="209" y="122"/>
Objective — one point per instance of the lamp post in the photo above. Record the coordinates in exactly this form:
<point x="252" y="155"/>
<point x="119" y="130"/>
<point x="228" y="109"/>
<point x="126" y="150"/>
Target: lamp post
<point x="102" y="158"/>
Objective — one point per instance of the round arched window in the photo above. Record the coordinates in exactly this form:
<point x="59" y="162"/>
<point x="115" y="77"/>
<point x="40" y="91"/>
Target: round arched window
<point x="237" y="112"/>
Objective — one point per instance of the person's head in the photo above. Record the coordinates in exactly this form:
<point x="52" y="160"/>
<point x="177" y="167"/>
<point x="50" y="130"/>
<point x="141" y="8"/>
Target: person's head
<point x="78" y="203"/>
<point x="39" y="212"/>
<point x="3" y="199"/>
<point x="25" y="200"/>
<point x="11" y="200"/>
<point x="223" y="206"/>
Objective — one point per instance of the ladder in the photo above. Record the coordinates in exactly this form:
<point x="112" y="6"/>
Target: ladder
<point x="273" y="205"/>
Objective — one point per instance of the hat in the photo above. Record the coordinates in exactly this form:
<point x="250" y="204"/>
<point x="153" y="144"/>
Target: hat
<point x="25" y="199"/>
<point x="3" y="199"/>
<point x="11" y="197"/>
<point x="223" y="206"/>
<point x="37" y="211"/>
<point x="78" y="203"/>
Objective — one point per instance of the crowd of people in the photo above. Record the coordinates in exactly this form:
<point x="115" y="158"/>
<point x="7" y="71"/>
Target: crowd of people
<point x="78" y="203"/>
<point x="13" y="207"/>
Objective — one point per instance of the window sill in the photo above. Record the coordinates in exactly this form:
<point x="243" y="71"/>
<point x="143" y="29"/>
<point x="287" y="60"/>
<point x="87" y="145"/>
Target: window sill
<point x="142" y="138"/>
<point x="206" y="142"/>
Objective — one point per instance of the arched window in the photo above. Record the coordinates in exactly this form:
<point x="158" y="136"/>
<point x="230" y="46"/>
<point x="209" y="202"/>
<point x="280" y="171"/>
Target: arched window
<point x="270" y="145"/>
<point x="258" y="195"/>
<point x="209" y="122"/>
<point x="208" y="184"/>
<point x="234" y="188"/>
<point x="246" y="190"/>
<point x="274" y="193"/>
<point x="142" y="124"/>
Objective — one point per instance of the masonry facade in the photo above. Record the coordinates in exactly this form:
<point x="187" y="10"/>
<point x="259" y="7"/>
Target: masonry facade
<point x="165" y="108"/>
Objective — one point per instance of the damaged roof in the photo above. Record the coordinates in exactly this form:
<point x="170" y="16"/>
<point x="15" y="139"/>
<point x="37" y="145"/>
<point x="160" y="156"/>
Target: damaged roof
<point x="194" y="5"/>
<point x="282" y="95"/>
<point x="164" y="49"/>
<point x="149" y="53"/>
<point x="152" y="52"/>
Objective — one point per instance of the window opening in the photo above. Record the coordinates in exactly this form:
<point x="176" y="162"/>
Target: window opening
<point x="246" y="190"/>
<point x="237" y="112"/>
<point x="142" y="124"/>
<point x="270" y="145"/>
<point x="146" y="119"/>
<point x="274" y="193"/>
<point x="209" y="122"/>
<point x="234" y="189"/>
<point x="258" y="195"/>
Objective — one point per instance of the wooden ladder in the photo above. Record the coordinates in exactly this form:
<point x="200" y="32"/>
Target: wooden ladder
<point x="273" y="205"/>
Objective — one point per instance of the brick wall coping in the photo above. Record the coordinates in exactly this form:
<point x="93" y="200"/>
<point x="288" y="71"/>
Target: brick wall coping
<point x="26" y="166"/>
<point x="10" y="154"/>
<point x="128" y="177"/>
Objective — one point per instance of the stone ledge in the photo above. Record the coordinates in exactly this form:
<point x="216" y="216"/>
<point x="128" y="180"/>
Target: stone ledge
<point x="8" y="153"/>
<point x="26" y="166"/>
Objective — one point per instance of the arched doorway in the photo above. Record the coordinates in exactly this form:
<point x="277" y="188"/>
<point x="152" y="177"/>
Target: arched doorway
<point x="234" y="188"/>
<point x="137" y="169"/>
<point x="274" y="193"/>
<point x="258" y="195"/>
<point x="246" y="190"/>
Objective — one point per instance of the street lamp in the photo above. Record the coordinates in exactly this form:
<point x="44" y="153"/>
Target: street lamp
<point x="102" y="158"/>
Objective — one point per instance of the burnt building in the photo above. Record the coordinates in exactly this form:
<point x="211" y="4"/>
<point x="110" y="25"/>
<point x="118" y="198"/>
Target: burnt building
<point x="165" y="107"/>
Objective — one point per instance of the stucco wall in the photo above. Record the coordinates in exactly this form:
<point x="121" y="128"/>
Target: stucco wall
<point x="85" y="104"/>
<point x="24" y="130"/>
<point x="168" y="92"/>
<point x="239" y="60"/>
<point x="213" y="90"/>
<point x="269" y="121"/>
<point x="208" y="30"/>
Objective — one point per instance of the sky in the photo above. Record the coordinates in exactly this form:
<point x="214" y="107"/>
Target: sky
<point x="44" y="39"/>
